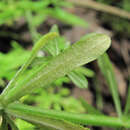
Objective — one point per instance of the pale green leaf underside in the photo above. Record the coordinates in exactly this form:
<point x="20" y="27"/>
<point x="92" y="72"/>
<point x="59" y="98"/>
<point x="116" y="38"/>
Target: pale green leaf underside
<point x="80" y="53"/>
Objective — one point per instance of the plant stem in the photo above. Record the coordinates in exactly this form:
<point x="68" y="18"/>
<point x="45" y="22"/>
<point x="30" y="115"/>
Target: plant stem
<point x="32" y="29"/>
<point x="102" y="7"/>
<point x="41" y="43"/>
<point x="31" y="113"/>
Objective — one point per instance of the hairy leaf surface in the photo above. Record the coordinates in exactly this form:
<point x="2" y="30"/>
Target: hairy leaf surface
<point x="80" y="53"/>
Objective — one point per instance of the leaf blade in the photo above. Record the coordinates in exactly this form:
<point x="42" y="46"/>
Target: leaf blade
<point x="88" y="50"/>
<point x="78" y="79"/>
<point x="34" y="52"/>
<point x="107" y="69"/>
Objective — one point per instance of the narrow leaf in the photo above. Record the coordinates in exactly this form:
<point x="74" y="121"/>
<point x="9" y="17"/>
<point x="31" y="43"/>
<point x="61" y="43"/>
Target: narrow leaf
<point x="78" y="79"/>
<point x="54" y="28"/>
<point x="107" y="69"/>
<point x="67" y="17"/>
<point x="35" y="50"/>
<point x="57" y="45"/>
<point x="87" y="72"/>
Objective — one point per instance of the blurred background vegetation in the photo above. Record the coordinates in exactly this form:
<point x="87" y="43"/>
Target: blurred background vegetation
<point x="119" y="25"/>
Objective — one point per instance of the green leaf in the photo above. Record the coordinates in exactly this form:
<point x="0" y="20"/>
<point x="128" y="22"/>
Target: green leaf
<point x="38" y="61"/>
<point x="46" y="128"/>
<point x="35" y="116"/>
<point x="54" y="49"/>
<point x="23" y="125"/>
<point x="9" y="64"/>
<point x="34" y="52"/>
<point x="54" y="28"/>
<point x="60" y="81"/>
<point x="38" y="19"/>
<point x="78" y="79"/>
<point x="67" y="17"/>
<point x="80" y="53"/>
<point x="85" y="71"/>
<point x="107" y="69"/>
<point x="39" y="116"/>
<point x="58" y="45"/>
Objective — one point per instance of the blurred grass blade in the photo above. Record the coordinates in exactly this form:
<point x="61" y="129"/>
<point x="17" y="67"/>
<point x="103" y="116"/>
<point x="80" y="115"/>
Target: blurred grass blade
<point x="32" y="29"/>
<point x="78" y="79"/>
<point x="67" y="17"/>
<point x="127" y="106"/>
<point x="99" y="96"/>
<point x="34" y="52"/>
<point x="41" y="116"/>
<point x="107" y="69"/>
<point x="80" y="53"/>
<point x="90" y="109"/>
<point x="35" y="116"/>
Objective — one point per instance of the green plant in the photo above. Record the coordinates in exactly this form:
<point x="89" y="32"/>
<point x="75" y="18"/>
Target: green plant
<point x="85" y="50"/>
<point x="12" y="10"/>
<point x="57" y="96"/>
<point x="107" y="70"/>
<point x="36" y="11"/>
<point x="9" y="64"/>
